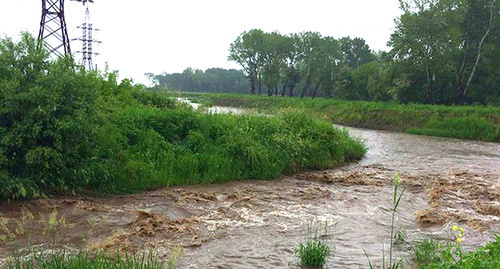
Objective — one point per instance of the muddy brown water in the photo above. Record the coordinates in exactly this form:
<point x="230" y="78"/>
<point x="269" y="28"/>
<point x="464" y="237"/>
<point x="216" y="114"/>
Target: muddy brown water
<point x="258" y="224"/>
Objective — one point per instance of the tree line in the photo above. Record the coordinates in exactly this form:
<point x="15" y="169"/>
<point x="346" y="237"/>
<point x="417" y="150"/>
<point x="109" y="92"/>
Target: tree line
<point x="441" y="52"/>
<point x="212" y="80"/>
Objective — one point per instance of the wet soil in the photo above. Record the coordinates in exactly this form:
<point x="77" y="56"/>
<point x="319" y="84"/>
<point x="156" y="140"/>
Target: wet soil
<point x="258" y="224"/>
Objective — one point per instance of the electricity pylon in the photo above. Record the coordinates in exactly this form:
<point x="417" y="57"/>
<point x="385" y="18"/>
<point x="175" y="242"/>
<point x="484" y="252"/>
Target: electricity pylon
<point x="53" y="32"/>
<point x="87" y="40"/>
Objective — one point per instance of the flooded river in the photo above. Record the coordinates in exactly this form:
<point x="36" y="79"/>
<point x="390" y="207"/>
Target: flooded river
<point x="258" y="224"/>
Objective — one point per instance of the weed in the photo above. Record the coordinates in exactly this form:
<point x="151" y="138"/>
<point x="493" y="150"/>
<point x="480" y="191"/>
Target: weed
<point x="426" y="252"/>
<point x="393" y="264"/>
<point x="430" y="254"/>
<point x="315" y="251"/>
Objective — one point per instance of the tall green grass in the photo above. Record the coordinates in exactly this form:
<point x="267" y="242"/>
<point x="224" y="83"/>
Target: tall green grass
<point x="177" y="146"/>
<point x="466" y="122"/>
<point x="88" y="260"/>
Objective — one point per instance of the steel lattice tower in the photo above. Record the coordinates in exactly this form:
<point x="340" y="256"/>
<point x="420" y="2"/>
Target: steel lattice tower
<point x="87" y="40"/>
<point x="53" y="31"/>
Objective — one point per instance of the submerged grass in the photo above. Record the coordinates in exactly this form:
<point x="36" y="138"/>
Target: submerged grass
<point x="313" y="253"/>
<point x="466" y="122"/>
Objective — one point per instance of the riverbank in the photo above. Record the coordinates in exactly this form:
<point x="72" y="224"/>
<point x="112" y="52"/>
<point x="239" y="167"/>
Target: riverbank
<point x="465" y="122"/>
<point x="263" y="221"/>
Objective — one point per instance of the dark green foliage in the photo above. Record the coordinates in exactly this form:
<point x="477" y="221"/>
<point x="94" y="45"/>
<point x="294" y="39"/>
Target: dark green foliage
<point x="65" y="130"/>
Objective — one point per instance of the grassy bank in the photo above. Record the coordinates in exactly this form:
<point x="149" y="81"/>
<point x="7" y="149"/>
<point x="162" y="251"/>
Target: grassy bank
<point x="67" y="131"/>
<point x="466" y="122"/>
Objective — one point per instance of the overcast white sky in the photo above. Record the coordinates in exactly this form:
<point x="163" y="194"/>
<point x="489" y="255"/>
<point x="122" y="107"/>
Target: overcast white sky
<point x="156" y="36"/>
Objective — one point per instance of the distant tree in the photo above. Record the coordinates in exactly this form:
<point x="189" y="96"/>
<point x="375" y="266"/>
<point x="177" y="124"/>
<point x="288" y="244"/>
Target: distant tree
<point x="310" y="58"/>
<point x="212" y="80"/>
<point x="290" y="73"/>
<point x="356" y="52"/>
<point x="151" y="79"/>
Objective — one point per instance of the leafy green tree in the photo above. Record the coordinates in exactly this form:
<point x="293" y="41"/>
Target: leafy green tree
<point x="247" y="50"/>
<point x="310" y="59"/>
<point x="446" y="41"/>
<point x="274" y="60"/>
<point x="290" y="73"/>
<point x="212" y="80"/>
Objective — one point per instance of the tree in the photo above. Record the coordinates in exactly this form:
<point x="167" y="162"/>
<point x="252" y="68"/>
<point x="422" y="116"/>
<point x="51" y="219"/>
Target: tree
<point x="290" y="73"/>
<point x="153" y="81"/>
<point x="445" y="40"/>
<point x="247" y="50"/>
<point x="273" y="56"/>
<point x="310" y="55"/>
<point x="356" y="52"/>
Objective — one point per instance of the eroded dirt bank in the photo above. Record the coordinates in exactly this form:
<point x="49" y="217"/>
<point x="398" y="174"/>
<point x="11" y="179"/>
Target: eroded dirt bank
<point x="259" y="224"/>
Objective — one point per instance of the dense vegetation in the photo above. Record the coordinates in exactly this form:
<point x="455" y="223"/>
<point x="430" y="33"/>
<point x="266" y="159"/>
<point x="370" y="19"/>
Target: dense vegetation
<point x="442" y="52"/>
<point x="213" y="80"/>
<point x="66" y="130"/>
<point x="467" y="122"/>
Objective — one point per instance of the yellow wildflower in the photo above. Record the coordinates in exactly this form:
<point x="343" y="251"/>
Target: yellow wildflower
<point x="455" y="227"/>
<point x="459" y="235"/>
<point x="461" y="229"/>
<point x="459" y="240"/>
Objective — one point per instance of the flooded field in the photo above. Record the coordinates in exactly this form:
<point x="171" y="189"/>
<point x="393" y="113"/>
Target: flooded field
<point x="258" y="224"/>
